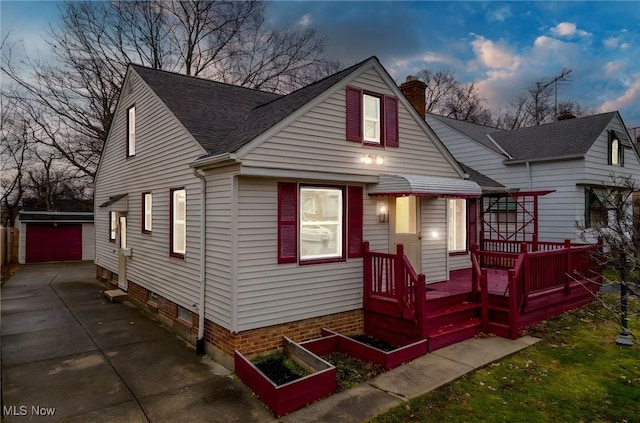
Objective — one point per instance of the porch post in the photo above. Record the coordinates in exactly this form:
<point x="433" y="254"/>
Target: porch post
<point x="474" y="274"/>
<point x="569" y="266"/>
<point x="513" y="305"/>
<point x="484" y="301"/>
<point x="535" y="223"/>
<point x="366" y="273"/>
<point x="399" y="282"/>
<point x="421" y="305"/>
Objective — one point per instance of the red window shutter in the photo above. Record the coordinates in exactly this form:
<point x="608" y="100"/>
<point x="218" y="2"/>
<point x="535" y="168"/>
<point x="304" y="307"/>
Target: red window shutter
<point x="355" y="218"/>
<point x="354" y="114"/>
<point x="287" y="222"/>
<point x="391" y="121"/>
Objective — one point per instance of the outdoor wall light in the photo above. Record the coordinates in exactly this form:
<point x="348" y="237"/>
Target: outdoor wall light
<point x="372" y="158"/>
<point x="435" y="235"/>
<point x="382" y="211"/>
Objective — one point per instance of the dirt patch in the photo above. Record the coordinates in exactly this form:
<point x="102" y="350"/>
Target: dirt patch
<point x="9" y="270"/>
<point x="350" y="371"/>
<point x="279" y="368"/>
<point x="374" y="342"/>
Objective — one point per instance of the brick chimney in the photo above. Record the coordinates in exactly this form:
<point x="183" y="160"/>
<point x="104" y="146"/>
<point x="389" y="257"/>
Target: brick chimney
<point x="414" y="90"/>
<point x="566" y="115"/>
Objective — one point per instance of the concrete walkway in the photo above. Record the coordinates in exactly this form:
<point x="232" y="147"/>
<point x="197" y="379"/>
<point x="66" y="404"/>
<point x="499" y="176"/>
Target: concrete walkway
<point x="66" y="351"/>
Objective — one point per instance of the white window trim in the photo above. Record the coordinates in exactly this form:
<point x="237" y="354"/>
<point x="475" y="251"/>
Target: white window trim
<point x="148" y="212"/>
<point x="338" y="221"/>
<point x="455" y="226"/>
<point x="113" y="226"/>
<point x="615" y="152"/>
<point x="365" y="119"/>
<point x="182" y="222"/>
<point x="131" y="136"/>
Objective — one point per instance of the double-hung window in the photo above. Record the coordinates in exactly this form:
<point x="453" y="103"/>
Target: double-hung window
<point x="178" y="222"/>
<point x="113" y="226"/>
<point x="615" y="151"/>
<point x="131" y="131"/>
<point x="457" y="225"/>
<point x="319" y="223"/>
<point x="147" y="204"/>
<point x="372" y="118"/>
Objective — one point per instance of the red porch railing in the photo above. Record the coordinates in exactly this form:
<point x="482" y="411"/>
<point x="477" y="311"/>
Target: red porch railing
<point x="554" y="266"/>
<point x="390" y="279"/>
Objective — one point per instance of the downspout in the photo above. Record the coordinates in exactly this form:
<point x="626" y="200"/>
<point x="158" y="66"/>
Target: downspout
<point x="203" y="226"/>
<point x="529" y="175"/>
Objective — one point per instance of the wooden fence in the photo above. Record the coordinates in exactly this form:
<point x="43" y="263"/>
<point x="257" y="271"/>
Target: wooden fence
<point x="9" y="245"/>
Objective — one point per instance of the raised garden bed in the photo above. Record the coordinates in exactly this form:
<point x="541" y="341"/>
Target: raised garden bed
<point x="331" y="342"/>
<point x="297" y="391"/>
<point x="351" y="372"/>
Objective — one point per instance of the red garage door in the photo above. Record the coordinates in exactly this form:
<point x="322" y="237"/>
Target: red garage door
<point x="48" y="242"/>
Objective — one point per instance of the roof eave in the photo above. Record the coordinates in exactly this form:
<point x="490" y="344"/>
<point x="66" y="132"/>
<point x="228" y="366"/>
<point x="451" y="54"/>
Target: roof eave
<point x="545" y="159"/>
<point x="208" y="162"/>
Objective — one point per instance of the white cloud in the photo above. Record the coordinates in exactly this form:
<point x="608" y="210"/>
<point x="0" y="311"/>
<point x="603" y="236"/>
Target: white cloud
<point x="568" y="29"/>
<point x="500" y="14"/>
<point x="612" y="68"/>
<point x="630" y="96"/>
<point x="305" y="20"/>
<point x="494" y="55"/>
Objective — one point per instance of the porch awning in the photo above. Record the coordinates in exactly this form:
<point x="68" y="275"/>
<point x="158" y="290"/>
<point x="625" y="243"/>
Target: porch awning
<point x="419" y="185"/>
<point x="116" y="203"/>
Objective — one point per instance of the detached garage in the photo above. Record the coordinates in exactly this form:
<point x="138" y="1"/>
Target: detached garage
<point x="55" y="236"/>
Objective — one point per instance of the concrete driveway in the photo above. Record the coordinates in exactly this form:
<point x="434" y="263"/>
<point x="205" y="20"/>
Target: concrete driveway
<point x="69" y="355"/>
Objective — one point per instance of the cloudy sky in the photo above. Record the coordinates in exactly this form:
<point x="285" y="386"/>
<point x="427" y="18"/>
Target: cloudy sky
<point x="503" y="46"/>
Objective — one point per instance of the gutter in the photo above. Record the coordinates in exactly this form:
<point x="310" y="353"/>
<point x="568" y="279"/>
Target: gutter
<point x="203" y="226"/>
<point x="213" y="161"/>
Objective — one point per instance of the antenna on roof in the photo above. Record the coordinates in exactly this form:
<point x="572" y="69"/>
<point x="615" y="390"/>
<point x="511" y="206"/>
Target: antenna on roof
<point x="560" y="78"/>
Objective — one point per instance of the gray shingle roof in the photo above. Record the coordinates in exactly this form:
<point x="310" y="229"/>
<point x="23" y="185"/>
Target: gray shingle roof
<point x="222" y="117"/>
<point x="472" y="130"/>
<point x="566" y="138"/>
<point x="209" y="110"/>
<point x="483" y="180"/>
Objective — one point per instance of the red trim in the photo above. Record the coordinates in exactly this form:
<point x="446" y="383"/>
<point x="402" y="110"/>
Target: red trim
<point x="171" y="211"/>
<point x="391" y="128"/>
<point x="354" y="114"/>
<point x="287" y="222"/>
<point x="322" y="261"/>
<point x="355" y="212"/>
<point x="144" y="214"/>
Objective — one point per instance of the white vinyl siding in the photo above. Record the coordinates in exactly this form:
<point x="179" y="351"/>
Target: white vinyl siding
<point x="168" y="151"/>
<point x="434" y="239"/>
<point x="270" y="293"/>
<point x="317" y="142"/>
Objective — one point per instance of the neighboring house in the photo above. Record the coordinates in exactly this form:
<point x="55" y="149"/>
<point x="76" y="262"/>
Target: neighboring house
<point x="251" y="208"/>
<point x="573" y="157"/>
<point x="55" y="236"/>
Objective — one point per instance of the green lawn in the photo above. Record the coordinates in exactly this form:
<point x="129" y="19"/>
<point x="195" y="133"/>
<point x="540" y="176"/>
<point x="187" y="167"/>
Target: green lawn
<point x="576" y="373"/>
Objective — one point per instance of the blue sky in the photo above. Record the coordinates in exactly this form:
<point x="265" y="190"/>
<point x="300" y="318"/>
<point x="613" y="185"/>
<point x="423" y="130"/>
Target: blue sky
<point x="503" y="46"/>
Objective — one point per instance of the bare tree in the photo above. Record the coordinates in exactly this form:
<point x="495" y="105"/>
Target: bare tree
<point x="615" y="219"/>
<point x="14" y="153"/>
<point x="447" y="96"/>
<point x="73" y="98"/>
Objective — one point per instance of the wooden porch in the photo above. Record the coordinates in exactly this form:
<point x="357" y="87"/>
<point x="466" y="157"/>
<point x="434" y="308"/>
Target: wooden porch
<point x="507" y="288"/>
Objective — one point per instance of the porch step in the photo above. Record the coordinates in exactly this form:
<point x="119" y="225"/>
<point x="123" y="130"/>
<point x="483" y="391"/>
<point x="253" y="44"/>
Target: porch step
<point x="447" y="335"/>
<point x="451" y="314"/>
<point x="114" y="295"/>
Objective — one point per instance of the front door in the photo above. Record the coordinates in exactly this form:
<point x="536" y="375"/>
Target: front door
<point x="122" y="257"/>
<point x="404" y="224"/>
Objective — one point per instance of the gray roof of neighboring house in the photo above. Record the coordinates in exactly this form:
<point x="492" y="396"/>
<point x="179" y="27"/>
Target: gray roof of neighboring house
<point x="223" y="117"/>
<point x="48" y="216"/>
<point x="472" y="130"/>
<point x="557" y="140"/>
<point x="483" y="180"/>
<point x="565" y="138"/>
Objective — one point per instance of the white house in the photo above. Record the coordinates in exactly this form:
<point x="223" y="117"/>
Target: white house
<point x="575" y="158"/>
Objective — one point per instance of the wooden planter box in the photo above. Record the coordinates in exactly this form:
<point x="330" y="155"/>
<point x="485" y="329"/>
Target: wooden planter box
<point x="332" y="342"/>
<point x="282" y="399"/>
